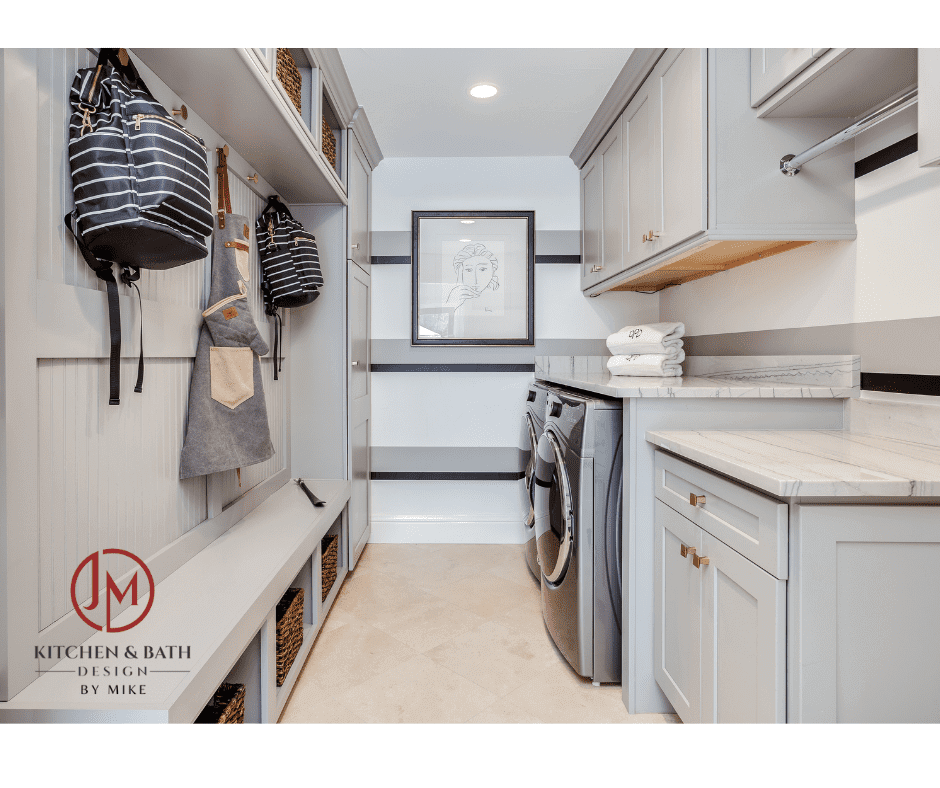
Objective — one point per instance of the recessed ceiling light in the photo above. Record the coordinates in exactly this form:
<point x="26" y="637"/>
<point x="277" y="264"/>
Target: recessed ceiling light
<point x="464" y="240"/>
<point x="483" y="91"/>
<point x="466" y="221"/>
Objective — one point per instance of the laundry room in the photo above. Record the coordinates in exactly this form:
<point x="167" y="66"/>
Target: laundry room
<point x="402" y="383"/>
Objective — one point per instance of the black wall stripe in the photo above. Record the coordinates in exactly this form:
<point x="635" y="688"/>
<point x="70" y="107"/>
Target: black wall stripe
<point x="892" y="153"/>
<point x="453" y="368"/>
<point x="454" y="476"/>
<point x="540" y="259"/>
<point x="901" y="384"/>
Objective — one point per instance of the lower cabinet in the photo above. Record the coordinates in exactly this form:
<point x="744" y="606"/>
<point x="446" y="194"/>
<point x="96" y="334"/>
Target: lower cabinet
<point x="720" y="627"/>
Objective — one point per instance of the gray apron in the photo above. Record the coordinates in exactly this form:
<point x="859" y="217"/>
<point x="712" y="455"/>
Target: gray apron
<point x="228" y="422"/>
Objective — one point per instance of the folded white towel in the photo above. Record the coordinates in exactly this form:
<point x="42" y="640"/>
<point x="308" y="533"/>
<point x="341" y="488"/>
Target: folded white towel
<point x="647" y="365"/>
<point x="652" y="338"/>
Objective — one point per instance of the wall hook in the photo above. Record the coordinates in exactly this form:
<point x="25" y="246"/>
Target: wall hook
<point x="253" y="178"/>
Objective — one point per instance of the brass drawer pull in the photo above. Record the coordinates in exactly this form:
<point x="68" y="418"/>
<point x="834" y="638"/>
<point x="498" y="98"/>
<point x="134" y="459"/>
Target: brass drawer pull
<point x="686" y="551"/>
<point x="696" y="500"/>
<point x="697" y="562"/>
<point x="596" y="268"/>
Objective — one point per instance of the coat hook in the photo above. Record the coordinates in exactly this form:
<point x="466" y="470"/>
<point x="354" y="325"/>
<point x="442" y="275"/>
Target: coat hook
<point x="253" y="178"/>
<point x="181" y="111"/>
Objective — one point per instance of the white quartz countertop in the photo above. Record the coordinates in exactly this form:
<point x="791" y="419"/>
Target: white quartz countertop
<point x="812" y="463"/>
<point x="589" y="373"/>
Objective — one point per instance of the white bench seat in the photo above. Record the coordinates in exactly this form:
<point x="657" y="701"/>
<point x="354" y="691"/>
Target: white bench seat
<point x="215" y="604"/>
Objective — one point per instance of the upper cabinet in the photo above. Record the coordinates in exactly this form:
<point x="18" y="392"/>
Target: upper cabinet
<point x="828" y="83"/>
<point x="363" y="157"/>
<point x="700" y="189"/>
<point x="928" y="107"/>
<point x="772" y="68"/>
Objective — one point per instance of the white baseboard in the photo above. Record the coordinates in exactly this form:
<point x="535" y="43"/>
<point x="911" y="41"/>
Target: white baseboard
<point x="428" y="531"/>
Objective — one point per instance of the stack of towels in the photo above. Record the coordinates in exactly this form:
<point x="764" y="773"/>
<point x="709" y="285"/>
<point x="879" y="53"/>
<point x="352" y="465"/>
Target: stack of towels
<point x="653" y="350"/>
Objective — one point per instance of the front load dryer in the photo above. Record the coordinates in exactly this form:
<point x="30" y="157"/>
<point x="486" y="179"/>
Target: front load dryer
<point x="577" y="498"/>
<point x="533" y="418"/>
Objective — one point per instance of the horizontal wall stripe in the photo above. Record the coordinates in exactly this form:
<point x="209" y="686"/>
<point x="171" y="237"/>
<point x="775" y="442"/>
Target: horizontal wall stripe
<point x="448" y="476"/>
<point x="446" y="459"/>
<point x="401" y="351"/>
<point x="885" y="156"/>
<point x="453" y="367"/>
<point x="901" y="384"/>
<point x="540" y="259"/>
<point x="551" y="243"/>
<point x="899" y="347"/>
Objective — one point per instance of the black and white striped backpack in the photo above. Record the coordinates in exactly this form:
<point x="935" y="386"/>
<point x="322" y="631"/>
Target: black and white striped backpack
<point x="141" y="185"/>
<point x="290" y="264"/>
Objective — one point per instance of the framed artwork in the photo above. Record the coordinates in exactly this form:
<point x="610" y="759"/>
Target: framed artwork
<point x="473" y="277"/>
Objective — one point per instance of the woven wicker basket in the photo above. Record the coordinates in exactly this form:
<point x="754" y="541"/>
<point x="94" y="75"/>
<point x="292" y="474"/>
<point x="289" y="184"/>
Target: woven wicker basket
<point x="290" y="631"/>
<point x="289" y="76"/>
<point x="329" y="550"/>
<point x="329" y="144"/>
<point x="227" y="706"/>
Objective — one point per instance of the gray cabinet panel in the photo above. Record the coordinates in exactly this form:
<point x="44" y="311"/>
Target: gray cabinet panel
<point x="359" y="180"/>
<point x="772" y="68"/>
<point x="592" y="185"/>
<point x="360" y="410"/>
<point x="928" y="107"/>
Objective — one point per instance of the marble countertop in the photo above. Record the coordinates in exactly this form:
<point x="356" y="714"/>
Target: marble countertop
<point x="770" y="377"/>
<point x="812" y="463"/>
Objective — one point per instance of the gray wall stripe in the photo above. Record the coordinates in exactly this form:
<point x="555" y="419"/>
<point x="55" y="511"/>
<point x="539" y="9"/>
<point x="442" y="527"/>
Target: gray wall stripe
<point x="400" y="351"/>
<point x="540" y="259"/>
<point x="528" y="368"/>
<point x="893" y="346"/>
<point x="446" y="459"/>
<point x="397" y="243"/>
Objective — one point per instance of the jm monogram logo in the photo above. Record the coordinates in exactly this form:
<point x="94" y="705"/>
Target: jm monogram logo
<point x="111" y="589"/>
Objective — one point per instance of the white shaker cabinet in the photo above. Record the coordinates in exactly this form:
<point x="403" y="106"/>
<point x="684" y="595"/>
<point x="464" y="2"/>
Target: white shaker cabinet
<point x="678" y="150"/>
<point x="359" y="175"/>
<point x="773" y="68"/>
<point x="928" y="107"/>
<point x="602" y="210"/>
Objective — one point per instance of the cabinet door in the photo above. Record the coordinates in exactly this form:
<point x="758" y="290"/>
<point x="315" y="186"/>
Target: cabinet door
<point x="612" y="202"/>
<point x="592" y="185"/>
<point x="679" y="152"/>
<point x="928" y="107"/>
<point x="360" y="411"/>
<point x="637" y="176"/>
<point x="677" y="620"/>
<point x="359" y="181"/>
<point x="773" y="68"/>
<point x="743" y="638"/>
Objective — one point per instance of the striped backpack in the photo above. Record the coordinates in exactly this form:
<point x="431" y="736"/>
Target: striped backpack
<point x="141" y="185"/>
<point x="290" y="264"/>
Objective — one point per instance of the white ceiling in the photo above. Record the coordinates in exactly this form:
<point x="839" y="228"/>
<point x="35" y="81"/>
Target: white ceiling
<point x="418" y="100"/>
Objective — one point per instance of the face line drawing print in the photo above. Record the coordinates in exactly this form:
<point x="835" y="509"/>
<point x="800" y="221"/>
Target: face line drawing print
<point x="475" y="267"/>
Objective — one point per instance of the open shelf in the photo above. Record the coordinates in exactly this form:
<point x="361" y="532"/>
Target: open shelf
<point x="231" y="91"/>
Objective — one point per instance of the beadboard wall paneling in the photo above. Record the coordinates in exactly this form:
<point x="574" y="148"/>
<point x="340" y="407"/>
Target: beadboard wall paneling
<point x="100" y="476"/>
<point x="109" y="476"/>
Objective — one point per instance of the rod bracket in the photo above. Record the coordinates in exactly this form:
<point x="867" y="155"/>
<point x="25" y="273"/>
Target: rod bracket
<point x="785" y="166"/>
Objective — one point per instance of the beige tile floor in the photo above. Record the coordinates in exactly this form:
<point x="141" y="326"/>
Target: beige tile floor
<point x="444" y="633"/>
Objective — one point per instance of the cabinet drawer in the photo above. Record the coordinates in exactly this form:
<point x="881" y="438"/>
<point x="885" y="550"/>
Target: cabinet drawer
<point x="748" y="522"/>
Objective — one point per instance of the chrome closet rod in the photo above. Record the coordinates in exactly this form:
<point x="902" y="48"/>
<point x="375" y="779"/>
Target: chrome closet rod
<point x="790" y="164"/>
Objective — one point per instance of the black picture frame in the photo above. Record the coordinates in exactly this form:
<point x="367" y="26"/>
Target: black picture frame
<point x="416" y="217"/>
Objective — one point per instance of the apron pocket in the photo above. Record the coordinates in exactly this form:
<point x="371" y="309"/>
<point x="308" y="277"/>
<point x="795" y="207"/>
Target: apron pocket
<point x="231" y="375"/>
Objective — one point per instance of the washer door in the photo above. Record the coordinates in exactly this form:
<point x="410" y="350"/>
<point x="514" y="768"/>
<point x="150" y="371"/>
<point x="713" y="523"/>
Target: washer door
<point x="530" y="468"/>
<point x="554" y="510"/>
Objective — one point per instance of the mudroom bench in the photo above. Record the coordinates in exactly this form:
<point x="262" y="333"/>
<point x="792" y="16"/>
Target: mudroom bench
<point x="213" y="620"/>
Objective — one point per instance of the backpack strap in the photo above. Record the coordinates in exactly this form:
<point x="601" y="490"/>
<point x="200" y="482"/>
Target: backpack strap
<point x="129" y="275"/>
<point x="225" y="198"/>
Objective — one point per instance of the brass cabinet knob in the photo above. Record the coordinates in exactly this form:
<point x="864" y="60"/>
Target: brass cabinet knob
<point x="182" y="112"/>
<point x="596" y="268"/>
<point x="697" y="561"/>
<point x="685" y="551"/>
<point x="354" y="246"/>
<point x="696" y="500"/>
<point x="645" y="238"/>
<point x="253" y="178"/>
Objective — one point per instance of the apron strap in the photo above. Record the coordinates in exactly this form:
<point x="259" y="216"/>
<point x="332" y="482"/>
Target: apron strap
<point x="225" y="198"/>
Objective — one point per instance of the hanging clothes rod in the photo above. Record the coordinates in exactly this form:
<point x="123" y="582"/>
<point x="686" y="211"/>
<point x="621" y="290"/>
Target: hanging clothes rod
<point x="790" y="165"/>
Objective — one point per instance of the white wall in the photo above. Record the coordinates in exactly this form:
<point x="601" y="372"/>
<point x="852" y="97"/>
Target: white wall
<point x="890" y="272"/>
<point x="455" y="409"/>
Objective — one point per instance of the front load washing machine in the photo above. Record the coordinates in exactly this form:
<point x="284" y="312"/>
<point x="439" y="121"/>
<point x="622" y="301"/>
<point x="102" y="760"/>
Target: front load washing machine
<point x="577" y="505"/>
<point x="532" y="420"/>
